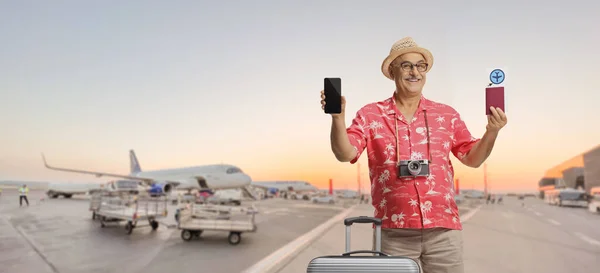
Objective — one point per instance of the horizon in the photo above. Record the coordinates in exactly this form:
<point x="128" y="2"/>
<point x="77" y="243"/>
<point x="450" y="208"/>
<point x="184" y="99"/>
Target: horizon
<point x="188" y="85"/>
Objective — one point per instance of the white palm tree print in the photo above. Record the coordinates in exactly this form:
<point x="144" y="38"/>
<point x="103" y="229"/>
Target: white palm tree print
<point x="375" y="126"/>
<point x="413" y="203"/>
<point x="398" y="219"/>
<point x="384" y="177"/>
<point x="430" y="182"/>
<point x="389" y="153"/>
<point x="448" y="197"/>
<point x="425" y="208"/>
<point x="446" y="145"/>
<point x="416" y="155"/>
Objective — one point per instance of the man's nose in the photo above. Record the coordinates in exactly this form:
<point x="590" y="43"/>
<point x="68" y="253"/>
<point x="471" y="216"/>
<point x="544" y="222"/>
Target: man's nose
<point x="414" y="71"/>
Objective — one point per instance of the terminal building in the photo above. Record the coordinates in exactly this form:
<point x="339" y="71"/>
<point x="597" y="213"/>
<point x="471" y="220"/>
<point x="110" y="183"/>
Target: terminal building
<point x="591" y="172"/>
<point x="580" y="172"/>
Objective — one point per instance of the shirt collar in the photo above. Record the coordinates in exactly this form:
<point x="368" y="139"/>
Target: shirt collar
<point x="390" y="106"/>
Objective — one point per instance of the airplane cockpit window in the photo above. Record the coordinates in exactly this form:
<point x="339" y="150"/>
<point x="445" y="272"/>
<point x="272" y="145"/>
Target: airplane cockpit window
<point x="233" y="170"/>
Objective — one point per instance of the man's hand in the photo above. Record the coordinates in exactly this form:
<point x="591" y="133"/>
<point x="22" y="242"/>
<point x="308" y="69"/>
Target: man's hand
<point x="342" y="114"/>
<point x="340" y="143"/>
<point x="496" y="120"/>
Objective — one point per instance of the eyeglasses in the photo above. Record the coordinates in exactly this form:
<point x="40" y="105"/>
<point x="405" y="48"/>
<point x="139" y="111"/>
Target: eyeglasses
<point x="408" y="66"/>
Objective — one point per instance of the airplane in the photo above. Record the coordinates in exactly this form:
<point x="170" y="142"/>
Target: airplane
<point x="302" y="188"/>
<point x="214" y="177"/>
<point x="286" y="185"/>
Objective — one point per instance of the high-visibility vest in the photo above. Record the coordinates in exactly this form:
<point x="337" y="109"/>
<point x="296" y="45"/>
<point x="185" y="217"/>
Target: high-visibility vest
<point x="23" y="191"/>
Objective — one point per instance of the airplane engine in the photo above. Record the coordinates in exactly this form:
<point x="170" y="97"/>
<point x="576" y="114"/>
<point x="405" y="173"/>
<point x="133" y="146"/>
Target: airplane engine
<point x="161" y="188"/>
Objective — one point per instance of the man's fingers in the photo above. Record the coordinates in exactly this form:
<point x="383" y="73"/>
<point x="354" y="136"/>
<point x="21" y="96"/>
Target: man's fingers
<point x="501" y="114"/>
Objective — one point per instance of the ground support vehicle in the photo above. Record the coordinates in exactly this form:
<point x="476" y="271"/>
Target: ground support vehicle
<point x="114" y="206"/>
<point x="193" y="219"/>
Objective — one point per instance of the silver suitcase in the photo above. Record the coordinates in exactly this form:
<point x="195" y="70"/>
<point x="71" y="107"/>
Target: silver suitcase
<point x="377" y="262"/>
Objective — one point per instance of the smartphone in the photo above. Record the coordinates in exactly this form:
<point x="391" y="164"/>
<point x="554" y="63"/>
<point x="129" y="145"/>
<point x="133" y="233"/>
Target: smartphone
<point x="494" y="96"/>
<point x="333" y="95"/>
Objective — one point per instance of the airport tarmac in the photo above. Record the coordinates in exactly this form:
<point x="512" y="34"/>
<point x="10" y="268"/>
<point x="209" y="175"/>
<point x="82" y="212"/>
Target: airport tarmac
<point x="58" y="235"/>
<point x="502" y="238"/>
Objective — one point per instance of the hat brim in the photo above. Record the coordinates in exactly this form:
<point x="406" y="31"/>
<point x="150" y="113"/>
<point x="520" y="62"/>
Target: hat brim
<point x="385" y="66"/>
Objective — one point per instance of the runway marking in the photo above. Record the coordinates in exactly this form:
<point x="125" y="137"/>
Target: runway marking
<point x="587" y="239"/>
<point x="470" y="214"/>
<point x="276" y="258"/>
<point x="554" y="222"/>
<point x="537" y="213"/>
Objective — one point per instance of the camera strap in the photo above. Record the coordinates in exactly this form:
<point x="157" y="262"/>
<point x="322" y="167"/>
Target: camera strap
<point x="398" y="138"/>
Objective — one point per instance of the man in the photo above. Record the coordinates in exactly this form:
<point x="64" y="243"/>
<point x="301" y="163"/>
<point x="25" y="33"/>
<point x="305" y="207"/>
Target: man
<point x="23" y="195"/>
<point x="420" y="216"/>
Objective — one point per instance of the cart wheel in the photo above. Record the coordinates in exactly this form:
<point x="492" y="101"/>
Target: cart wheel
<point x="154" y="225"/>
<point x="129" y="227"/>
<point x="186" y="235"/>
<point x="93" y="215"/>
<point x="102" y="221"/>
<point x="198" y="233"/>
<point x="235" y="238"/>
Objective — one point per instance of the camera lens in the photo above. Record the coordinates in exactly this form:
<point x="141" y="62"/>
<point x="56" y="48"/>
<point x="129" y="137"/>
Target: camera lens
<point x="414" y="167"/>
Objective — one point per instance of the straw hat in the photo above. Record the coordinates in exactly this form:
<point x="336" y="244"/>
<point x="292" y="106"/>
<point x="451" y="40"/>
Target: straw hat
<point x="402" y="46"/>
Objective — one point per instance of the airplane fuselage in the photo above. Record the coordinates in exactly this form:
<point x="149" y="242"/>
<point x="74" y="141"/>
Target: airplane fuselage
<point x="217" y="176"/>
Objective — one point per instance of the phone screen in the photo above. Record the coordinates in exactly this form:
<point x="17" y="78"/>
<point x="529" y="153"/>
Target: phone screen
<point x="494" y="96"/>
<point x="333" y="95"/>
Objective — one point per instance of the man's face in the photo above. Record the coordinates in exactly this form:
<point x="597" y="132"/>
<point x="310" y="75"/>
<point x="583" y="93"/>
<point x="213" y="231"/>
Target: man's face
<point x="409" y="73"/>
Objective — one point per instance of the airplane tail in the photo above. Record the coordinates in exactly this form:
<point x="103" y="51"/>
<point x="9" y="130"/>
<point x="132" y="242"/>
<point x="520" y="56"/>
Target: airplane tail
<point x="134" y="165"/>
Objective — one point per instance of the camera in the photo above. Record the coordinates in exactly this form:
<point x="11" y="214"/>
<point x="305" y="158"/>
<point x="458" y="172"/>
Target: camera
<point x="413" y="168"/>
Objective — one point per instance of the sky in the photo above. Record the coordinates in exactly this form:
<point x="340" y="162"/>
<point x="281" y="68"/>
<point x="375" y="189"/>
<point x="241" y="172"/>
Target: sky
<point x="187" y="83"/>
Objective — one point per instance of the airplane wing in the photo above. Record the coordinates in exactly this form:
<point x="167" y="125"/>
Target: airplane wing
<point x="148" y="181"/>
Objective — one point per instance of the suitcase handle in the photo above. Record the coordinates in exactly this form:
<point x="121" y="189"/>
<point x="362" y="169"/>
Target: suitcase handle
<point x="364" y="251"/>
<point x="362" y="220"/>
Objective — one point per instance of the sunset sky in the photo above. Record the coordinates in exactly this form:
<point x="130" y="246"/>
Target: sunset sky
<point x="188" y="83"/>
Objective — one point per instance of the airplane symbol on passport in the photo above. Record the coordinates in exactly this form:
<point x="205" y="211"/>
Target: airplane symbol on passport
<point x="497" y="76"/>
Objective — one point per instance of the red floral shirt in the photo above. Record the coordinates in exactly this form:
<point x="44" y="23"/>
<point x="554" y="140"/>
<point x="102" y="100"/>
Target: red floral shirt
<point x="421" y="202"/>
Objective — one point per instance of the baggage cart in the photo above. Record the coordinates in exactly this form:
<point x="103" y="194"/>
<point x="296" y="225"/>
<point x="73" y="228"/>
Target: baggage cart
<point x="377" y="262"/>
<point x="193" y="219"/>
<point x="132" y="207"/>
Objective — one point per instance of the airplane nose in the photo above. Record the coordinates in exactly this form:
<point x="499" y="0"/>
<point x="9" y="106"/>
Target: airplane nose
<point x="247" y="179"/>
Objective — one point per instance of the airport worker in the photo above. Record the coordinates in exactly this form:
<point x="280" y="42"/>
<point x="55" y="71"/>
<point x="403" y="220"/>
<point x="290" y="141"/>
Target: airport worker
<point x="409" y="139"/>
<point x="23" y="195"/>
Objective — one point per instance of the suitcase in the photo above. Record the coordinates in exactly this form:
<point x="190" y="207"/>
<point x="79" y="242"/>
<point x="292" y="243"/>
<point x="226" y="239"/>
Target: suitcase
<point x="377" y="262"/>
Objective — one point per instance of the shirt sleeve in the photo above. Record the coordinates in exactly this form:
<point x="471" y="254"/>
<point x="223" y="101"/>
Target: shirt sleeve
<point x="357" y="136"/>
<point x="463" y="141"/>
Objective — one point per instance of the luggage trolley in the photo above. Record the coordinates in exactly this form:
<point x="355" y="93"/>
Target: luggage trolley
<point x="193" y="219"/>
<point x="117" y="206"/>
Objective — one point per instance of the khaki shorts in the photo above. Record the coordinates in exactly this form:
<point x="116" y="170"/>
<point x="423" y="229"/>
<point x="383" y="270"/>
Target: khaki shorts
<point x="437" y="250"/>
